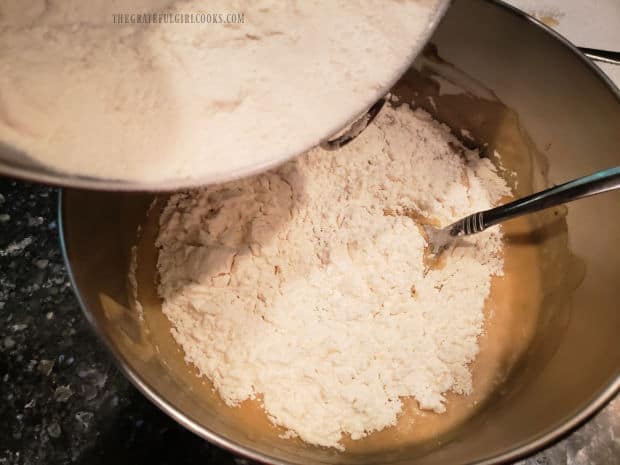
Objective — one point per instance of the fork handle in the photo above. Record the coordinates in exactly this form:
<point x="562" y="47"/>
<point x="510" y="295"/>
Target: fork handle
<point x="597" y="183"/>
<point x="605" y="56"/>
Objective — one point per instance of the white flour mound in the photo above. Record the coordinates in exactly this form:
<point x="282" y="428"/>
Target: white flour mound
<point x="297" y="286"/>
<point x="158" y="103"/>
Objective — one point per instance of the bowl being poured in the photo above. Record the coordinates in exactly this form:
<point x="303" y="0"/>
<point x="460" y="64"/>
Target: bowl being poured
<point x="107" y="99"/>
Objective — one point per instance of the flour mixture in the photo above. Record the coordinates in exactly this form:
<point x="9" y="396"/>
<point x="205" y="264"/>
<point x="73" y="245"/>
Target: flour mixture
<point x="306" y="287"/>
<point x="167" y="91"/>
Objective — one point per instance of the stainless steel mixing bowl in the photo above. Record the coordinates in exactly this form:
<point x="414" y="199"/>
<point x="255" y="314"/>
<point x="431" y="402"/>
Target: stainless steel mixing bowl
<point x="527" y="92"/>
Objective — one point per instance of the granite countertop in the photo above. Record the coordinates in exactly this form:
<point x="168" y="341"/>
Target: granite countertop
<point x="64" y="401"/>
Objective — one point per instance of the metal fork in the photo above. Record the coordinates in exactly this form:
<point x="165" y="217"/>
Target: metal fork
<point x="602" y="181"/>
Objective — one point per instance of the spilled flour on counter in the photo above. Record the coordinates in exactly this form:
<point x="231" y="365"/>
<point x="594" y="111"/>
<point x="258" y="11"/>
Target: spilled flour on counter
<point x="306" y="287"/>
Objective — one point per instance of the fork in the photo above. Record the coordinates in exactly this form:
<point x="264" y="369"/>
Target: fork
<point x="439" y="239"/>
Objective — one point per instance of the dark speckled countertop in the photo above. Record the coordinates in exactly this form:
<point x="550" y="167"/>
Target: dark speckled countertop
<point x="62" y="400"/>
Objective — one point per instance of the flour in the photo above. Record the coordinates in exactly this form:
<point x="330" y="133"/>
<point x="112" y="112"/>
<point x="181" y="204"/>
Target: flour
<point x="297" y="288"/>
<point x="161" y="103"/>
